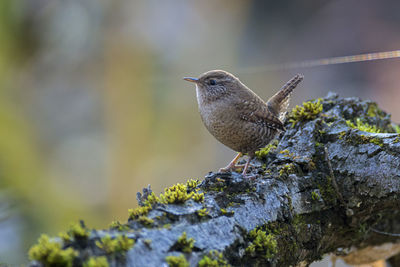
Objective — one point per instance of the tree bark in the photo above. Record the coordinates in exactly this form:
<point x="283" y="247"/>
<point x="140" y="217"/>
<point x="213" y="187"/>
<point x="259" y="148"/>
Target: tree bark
<point x="327" y="187"/>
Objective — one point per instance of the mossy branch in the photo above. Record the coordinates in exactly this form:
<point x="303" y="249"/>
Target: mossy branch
<point x="330" y="182"/>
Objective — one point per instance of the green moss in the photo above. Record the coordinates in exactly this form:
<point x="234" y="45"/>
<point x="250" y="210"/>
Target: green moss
<point x="362" y="126"/>
<point x="117" y="225"/>
<point x="147" y="242"/>
<point x="96" y="262"/>
<point x="376" y="141"/>
<point x="342" y="134"/>
<point x="120" y="244"/>
<point x="263" y="152"/>
<point x="202" y="212"/>
<point x="151" y="200"/>
<point x="262" y="245"/>
<point x="167" y="226"/>
<point x="192" y="184"/>
<point x="327" y="191"/>
<point x="308" y="111"/>
<point x="396" y="128"/>
<point x="76" y="231"/>
<point x="213" y="259"/>
<point x="315" y="196"/>
<point x="374" y="111"/>
<point x="138" y="212"/>
<point x="198" y="197"/>
<point x="396" y="140"/>
<point x="184" y="244"/>
<point x="50" y="253"/>
<point x="176" y="194"/>
<point x="318" y="144"/>
<point x="287" y="169"/>
<point x="177" y="261"/>
<point x="299" y="224"/>
<point x="363" y="139"/>
<point x="311" y="165"/>
<point x="146" y="221"/>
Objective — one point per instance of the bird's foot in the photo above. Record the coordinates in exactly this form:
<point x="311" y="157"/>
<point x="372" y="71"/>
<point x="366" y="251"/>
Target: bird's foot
<point x="231" y="168"/>
<point x="232" y="165"/>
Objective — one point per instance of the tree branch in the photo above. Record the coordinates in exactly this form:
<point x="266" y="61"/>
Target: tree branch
<point x="327" y="186"/>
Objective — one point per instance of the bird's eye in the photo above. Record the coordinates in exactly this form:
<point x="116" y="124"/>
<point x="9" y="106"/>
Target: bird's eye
<point x="213" y="82"/>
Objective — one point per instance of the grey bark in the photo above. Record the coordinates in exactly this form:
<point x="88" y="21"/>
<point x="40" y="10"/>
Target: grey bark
<point x="325" y="188"/>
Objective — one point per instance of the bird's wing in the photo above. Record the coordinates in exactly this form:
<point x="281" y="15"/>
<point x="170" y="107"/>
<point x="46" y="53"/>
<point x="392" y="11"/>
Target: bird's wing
<point x="256" y="111"/>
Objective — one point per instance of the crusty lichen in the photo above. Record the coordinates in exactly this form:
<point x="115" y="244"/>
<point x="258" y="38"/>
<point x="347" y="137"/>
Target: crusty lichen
<point x="213" y="259"/>
<point x="262" y="245"/>
<point x="309" y="111"/>
<point x="50" y="253"/>
<point x="119" y="244"/>
<point x="177" y="261"/>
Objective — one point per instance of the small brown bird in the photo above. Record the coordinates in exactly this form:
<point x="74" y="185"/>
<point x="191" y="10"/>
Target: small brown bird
<point x="236" y="116"/>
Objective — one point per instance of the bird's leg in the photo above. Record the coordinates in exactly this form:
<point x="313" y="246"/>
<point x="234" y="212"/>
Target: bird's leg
<point x="246" y="166"/>
<point x="232" y="164"/>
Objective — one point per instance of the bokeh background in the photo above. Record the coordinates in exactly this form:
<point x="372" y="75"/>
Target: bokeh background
<point x="93" y="107"/>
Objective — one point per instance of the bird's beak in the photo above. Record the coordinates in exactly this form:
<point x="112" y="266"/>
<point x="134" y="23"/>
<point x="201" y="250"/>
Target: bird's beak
<point x="190" y="79"/>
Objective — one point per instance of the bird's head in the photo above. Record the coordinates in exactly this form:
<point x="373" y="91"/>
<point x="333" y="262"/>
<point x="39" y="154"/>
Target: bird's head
<point x="215" y="84"/>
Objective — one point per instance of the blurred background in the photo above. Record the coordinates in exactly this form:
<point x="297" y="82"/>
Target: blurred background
<point x="93" y="107"/>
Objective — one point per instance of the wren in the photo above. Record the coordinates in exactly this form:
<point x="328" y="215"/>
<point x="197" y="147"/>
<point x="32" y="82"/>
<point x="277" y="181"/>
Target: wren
<point x="236" y="116"/>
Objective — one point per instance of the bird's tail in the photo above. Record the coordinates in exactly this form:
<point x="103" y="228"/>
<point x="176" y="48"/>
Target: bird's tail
<point x="279" y="103"/>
